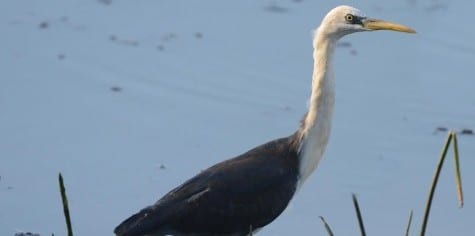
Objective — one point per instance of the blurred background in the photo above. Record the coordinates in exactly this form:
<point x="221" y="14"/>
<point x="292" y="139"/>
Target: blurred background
<point x="128" y="99"/>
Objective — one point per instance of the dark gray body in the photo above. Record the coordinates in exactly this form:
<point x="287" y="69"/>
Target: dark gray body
<point x="226" y="199"/>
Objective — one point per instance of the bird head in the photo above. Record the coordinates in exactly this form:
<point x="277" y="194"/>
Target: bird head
<point x="344" y="20"/>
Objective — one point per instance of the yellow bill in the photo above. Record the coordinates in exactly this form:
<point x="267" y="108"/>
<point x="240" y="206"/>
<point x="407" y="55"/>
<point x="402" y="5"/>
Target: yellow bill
<point x="375" y="24"/>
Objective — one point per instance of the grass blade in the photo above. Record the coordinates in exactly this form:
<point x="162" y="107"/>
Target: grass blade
<point x="358" y="214"/>
<point x="408" y="228"/>
<point x="458" y="177"/>
<point x="435" y="179"/>
<point x="327" y="226"/>
<point x="64" y="198"/>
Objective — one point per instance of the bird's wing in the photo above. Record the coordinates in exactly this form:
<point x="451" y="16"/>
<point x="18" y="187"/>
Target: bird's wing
<point x="151" y="217"/>
<point x="227" y="197"/>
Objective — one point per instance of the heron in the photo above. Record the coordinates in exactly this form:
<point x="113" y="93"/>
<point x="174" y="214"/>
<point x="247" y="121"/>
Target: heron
<point x="247" y="192"/>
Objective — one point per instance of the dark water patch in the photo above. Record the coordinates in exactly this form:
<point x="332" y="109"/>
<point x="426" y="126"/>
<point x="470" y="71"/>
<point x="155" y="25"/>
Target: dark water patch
<point x="443" y="129"/>
<point x="105" y="2"/>
<point x="198" y="35"/>
<point x="43" y="25"/>
<point x="344" y="44"/>
<point x="127" y="42"/>
<point x="116" y="89"/>
<point x="466" y="132"/>
<point x="26" y="234"/>
<point x="275" y="8"/>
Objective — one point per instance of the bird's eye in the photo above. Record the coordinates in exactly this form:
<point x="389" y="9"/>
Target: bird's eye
<point x="349" y="18"/>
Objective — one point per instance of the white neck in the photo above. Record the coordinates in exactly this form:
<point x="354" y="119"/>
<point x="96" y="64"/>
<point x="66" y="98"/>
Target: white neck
<point x="316" y="126"/>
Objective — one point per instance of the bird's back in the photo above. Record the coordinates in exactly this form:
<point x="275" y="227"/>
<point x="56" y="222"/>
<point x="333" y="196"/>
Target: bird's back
<point x="250" y="190"/>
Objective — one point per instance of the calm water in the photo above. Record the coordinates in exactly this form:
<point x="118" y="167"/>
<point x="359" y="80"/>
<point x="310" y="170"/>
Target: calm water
<point x="129" y="99"/>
